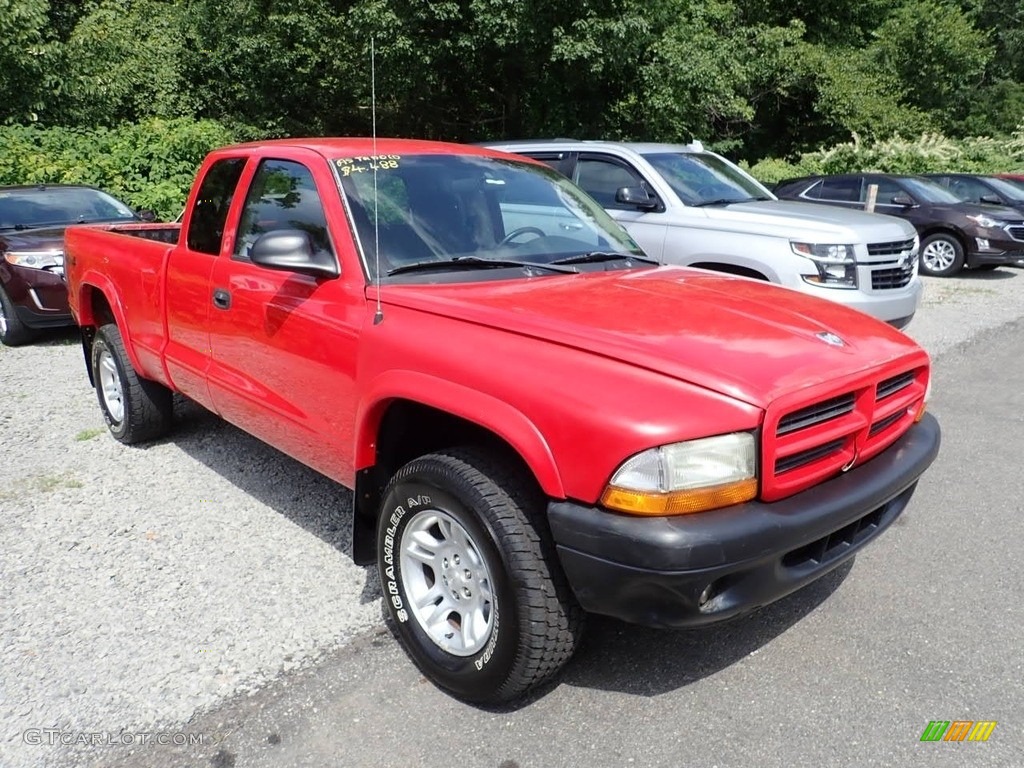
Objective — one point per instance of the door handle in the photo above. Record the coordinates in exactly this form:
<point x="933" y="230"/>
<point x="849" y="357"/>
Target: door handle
<point x="221" y="299"/>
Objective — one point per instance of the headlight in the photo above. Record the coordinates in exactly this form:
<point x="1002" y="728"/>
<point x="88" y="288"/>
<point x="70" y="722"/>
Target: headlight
<point x="35" y="259"/>
<point x="835" y="264"/>
<point x="681" y="478"/>
<point x="985" y="221"/>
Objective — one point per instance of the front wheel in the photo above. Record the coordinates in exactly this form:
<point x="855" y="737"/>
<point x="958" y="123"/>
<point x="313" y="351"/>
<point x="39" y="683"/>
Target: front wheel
<point x="471" y="579"/>
<point x="13" y="332"/>
<point x="135" y="409"/>
<point x="942" y="255"/>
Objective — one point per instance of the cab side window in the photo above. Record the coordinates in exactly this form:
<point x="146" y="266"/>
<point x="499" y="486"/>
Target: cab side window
<point x="283" y="195"/>
<point x="210" y="210"/>
<point x="840" y="189"/>
<point x="967" y="189"/>
<point x="887" y="192"/>
<point x="603" y="178"/>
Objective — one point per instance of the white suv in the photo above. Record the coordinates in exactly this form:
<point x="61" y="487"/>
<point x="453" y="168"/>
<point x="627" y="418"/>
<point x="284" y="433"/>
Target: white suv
<point x="685" y="205"/>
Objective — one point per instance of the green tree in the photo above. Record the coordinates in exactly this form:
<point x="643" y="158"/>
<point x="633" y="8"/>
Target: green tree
<point x="936" y="52"/>
<point x="25" y="57"/>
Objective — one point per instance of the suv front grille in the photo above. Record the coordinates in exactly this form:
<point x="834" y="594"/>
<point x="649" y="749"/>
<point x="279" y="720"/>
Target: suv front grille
<point x="807" y="444"/>
<point x="1016" y="232"/>
<point x="896" y="248"/>
<point x="895" y="271"/>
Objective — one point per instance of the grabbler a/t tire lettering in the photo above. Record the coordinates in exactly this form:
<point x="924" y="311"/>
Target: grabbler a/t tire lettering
<point x="470" y="577"/>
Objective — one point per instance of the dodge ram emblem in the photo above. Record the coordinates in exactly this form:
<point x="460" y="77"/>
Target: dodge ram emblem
<point x="831" y="338"/>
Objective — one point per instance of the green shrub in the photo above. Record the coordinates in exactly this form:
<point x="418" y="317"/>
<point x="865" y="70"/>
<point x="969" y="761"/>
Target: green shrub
<point x="149" y="164"/>
<point x="928" y="153"/>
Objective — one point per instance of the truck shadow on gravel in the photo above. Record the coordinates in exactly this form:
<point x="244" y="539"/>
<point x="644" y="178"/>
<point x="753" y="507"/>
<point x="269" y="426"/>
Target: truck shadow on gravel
<point x="313" y="502"/>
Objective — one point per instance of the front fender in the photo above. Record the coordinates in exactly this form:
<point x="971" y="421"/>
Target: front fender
<point x="488" y="412"/>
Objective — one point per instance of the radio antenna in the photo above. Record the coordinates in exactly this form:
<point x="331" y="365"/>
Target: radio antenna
<point x="378" y="316"/>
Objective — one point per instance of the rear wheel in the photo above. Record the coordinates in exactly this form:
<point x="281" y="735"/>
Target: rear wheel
<point x="135" y="409"/>
<point x="942" y="255"/>
<point x="471" y="579"/>
<point x="13" y="332"/>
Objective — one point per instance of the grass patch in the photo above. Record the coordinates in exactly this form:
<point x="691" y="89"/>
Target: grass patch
<point x="39" y="484"/>
<point x="89" y="434"/>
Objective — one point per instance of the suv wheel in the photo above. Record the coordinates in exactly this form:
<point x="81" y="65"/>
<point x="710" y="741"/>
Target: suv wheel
<point x="13" y="332"/>
<point x="942" y="255"/>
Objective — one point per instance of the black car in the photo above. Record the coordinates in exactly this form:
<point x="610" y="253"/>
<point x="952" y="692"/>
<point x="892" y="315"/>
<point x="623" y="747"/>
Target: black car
<point x="32" y="222"/>
<point x="954" y="233"/>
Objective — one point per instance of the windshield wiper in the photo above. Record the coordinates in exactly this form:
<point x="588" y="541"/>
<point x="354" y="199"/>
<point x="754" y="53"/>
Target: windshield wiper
<point x="726" y="201"/>
<point x="596" y="256"/>
<point x="473" y="262"/>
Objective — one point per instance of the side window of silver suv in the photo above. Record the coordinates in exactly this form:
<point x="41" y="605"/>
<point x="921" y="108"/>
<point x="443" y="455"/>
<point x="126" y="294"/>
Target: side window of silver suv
<point x="603" y="178"/>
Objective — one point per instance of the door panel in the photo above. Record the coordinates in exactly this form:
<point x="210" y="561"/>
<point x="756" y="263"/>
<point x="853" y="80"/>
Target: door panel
<point x="284" y="348"/>
<point x="187" y="285"/>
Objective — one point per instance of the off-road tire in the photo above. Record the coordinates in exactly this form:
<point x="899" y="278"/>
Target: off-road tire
<point x="146" y="407"/>
<point x="536" y="622"/>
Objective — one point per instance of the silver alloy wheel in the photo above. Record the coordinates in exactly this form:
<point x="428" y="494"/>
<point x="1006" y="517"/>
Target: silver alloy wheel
<point x="939" y="255"/>
<point x="110" y="386"/>
<point x="3" y="322"/>
<point x="447" y="582"/>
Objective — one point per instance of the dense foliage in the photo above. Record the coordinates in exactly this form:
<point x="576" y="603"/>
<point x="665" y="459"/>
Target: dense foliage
<point x="754" y="78"/>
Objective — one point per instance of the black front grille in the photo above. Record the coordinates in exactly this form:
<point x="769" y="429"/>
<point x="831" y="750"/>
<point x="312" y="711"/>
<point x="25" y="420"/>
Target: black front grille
<point x="882" y="279"/>
<point x="1017" y="233"/>
<point x="894" y="385"/>
<point x="888" y="421"/>
<point x="894" y="248"/>
<point x="816" y="414"/>
<point x="829" y="547"/>
<point x="804" y="458"/>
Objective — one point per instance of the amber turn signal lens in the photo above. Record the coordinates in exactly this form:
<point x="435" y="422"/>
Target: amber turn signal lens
<point x="679" y="502"/>
<point x="920" y="411"/>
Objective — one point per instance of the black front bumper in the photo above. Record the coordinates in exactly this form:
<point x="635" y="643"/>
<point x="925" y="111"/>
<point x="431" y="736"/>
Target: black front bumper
<point x="691" y="570"/>
<point x="1000" y="258"/>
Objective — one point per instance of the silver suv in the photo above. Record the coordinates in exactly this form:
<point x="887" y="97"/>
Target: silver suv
<point x="687" y="206"/>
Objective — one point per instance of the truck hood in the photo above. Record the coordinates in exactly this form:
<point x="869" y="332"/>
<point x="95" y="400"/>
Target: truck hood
<point x="811" y="221"/>
<point x="743" y="338"/>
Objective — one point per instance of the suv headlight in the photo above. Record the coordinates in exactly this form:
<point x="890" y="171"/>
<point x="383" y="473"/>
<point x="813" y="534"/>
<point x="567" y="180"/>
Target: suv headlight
<point x="835" y="263"/>
<point x="681" y="478"/>
<point x="35" y="259"/>
<point x="985" y="221"/>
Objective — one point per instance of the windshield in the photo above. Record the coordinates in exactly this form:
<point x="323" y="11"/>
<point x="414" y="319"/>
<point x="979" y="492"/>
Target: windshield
<point x="705" y="179"/>
<point x="33" y="207"/>
<point x="1006" y="189"/>
<point x="459" y="209"/>
<point x="927" y="191"/>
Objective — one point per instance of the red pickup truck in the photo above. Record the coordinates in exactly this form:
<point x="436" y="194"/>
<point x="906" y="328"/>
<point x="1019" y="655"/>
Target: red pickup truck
<point x="536" y="420"/>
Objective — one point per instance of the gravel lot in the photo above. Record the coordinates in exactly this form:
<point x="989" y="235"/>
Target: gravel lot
<point x="140" y="585"/>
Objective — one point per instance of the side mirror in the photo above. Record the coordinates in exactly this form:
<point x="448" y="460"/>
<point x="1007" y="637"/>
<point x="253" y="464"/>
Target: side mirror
<point x="991" y="199"/>
<point x="902" y="198"/>
<point x="145" y="214"/>
<point x="291" y="250"/>
<point x="637" y="196"/>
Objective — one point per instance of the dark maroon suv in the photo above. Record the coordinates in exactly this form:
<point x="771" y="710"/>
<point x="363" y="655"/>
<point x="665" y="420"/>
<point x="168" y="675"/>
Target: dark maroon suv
<point x="32" y="221"/>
